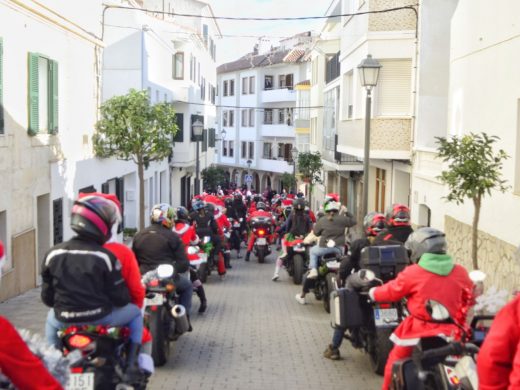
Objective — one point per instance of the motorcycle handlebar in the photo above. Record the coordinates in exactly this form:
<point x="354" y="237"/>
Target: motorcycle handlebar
<point x="454" y="348"/>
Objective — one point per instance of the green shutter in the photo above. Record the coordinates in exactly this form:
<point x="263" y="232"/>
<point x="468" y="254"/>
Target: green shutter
<point x="204" y="140"/>
<point x="1" y="87"/>
<point x="53" y="97"/>
<point x="33" y="94"/>
<point x="211" y="138"/>
<point x="179" y="135"/>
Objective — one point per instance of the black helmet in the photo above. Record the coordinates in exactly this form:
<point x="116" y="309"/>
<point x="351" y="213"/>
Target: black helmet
<point x="257" y="198"/>
<point x="425" y="240"/>
<point x="93" y="217"/>
<point x="210" y="208"/>
<point x="261" y="206"/>
<point x="373" y="223"/>
<point x="299" y="204"/>
<point x="228" y="202"/>
<point x="182" y="214"/>
<point x="237" y="196"/>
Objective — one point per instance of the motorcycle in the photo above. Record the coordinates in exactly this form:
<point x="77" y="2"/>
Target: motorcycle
<point x="261" y="228"/>
<point x="101" y="358"/>
<point x="198" y="260"/>
<point x="236" y="231"/>
<point x="163" y="316"/>
<point x="370" y="324"/>
<point x="297" y="260"/>
<point x="327" y="280"/>
<point x="210" y="264"/>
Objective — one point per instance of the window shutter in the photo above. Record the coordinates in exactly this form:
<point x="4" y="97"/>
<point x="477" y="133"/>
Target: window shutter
<point x="53" y="97"/>
<point x="33" y="94"/>
<point x="1" y="87"/>
<point x="179" y="135"/>
<point x="211" y="138"/>
<point x="105" y="188"/>
<point x="204" y="140"/>
<point x="394" y="88"/>
<point x="57" y="220"/>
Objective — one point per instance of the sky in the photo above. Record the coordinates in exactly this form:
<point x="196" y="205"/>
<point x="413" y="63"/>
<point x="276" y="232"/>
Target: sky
<point x="229" y="49"/>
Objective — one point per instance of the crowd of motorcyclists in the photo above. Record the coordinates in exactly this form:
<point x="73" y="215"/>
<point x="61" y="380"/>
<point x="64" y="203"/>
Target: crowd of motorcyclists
<point x="95" y="279"/>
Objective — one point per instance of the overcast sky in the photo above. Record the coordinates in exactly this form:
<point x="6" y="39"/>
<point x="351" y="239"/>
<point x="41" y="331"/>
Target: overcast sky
<point x="230" y="49"/>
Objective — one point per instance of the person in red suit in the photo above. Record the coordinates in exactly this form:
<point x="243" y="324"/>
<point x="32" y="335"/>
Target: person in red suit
<point x="189" y="237"/>
<point x="434" y="276"/>
<point x="224" y="226"/>
<point x="17" y="362"/>
<point x="260" y="212"/>
<point x="221" y="265"/>
<point x="498" y="362"/>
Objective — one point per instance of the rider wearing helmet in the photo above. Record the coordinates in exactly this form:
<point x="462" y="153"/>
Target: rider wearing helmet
<point x="398" y="225"/>
<point x="297" y="226"/>
<point x="158" y="244"/>
<point x="331" y="230"/>
<point x="260" y="212"/>
<point x="238" y="211"/>
<point x="82" y="282"/>
<point x="435" y="276"/>
<point x="373" y="223"/>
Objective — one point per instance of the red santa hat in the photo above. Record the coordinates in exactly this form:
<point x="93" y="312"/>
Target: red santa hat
<point x="286" y="202"/>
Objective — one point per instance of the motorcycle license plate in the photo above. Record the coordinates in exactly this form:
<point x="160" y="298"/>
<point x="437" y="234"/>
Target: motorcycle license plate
<point x="81" y="381"/>
<point x="299" y="249"/>
<point x="157" y="300"/>
<point x="385" y="317"/>
<point x="236" y="224"/>
<point x="261" y="241"/>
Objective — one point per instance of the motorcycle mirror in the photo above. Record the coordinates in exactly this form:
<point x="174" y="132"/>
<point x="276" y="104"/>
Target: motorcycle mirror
<point x="206" y="240"/>
<point x="367" y="275"/>
<point x="438" y="311"/>
<point x="192" y="250"/>
<point x="165" y="271"/>
<point x="477" y="276"/>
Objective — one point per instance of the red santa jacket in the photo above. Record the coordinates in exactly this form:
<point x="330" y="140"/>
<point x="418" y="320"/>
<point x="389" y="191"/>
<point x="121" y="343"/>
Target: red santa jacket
<point x="20" y="365"/>
<point x="434" y="277"/>
<point x="222" y="222"/>
<point x="189" y="237"/>
<point x="498" y="362"/>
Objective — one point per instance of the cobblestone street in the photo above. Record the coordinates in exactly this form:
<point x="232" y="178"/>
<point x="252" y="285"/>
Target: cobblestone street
<point x="254" y="335"/>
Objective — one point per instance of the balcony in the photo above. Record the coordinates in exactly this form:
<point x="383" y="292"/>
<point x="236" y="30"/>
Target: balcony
<point x="278" y="95"/>
<point x="277" y="130"/>
<point x="389" y="138"/>
<point x="274" y="165"/>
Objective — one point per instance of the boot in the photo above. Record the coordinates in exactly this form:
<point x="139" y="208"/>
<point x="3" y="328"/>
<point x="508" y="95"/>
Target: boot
<point x="190" y="329"/>
<point x="277" y="270"/>
<point x="202" y="296"/>
<point x="332" y="353"/>
<point x="132" y="372"/>
<point x="227" y="261"/>
<point x="248" y="255"/>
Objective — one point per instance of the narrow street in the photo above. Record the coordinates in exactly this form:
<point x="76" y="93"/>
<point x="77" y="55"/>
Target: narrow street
<point x="254" y="335"/>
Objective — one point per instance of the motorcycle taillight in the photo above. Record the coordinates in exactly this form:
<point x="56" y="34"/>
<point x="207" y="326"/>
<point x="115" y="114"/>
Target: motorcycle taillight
<point x="385" y="305"/>
<point x="261" y="232"/>
<point x="153" y="283"/>
<point x="76" y="370"/>
<point x="79" y="341"/>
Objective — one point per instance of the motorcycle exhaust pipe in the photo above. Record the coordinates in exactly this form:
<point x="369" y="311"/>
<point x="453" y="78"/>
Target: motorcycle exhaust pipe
<point x="179" y="314"/>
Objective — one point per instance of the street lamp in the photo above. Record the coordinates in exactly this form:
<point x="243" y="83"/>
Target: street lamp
<point x="368" y="75"/>
<point x="197" y="127"/>
<point x="294" y="152"/>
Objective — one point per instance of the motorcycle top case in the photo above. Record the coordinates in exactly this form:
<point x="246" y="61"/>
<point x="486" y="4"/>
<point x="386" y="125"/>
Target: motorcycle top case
<point x="260" y="221"/>
<point x="385" y="261"/>
<point x="345" y="309"/>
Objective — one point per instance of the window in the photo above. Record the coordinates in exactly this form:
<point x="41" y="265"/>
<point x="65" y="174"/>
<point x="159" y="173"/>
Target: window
<point x="380" y="190"/>
<point x="43" y="95"/>
<point x="268" y="116"/>
<point x="244" y="149"/>
<point x="268" y="82"/>
<point x="178" y="65"/>
<point x="224" y="119"/>
<point x="252" y="84"/>
<point x="1" y="89"/>
<point x="268" y="150"/>
<point x="225" y="88"/>
<point x="281" y="81"/>
<point x="231" y="87"/>
<point x="211" y="138"/>
<point x="231" y="118"/>
<point x="251" y="150"/>
<point x="251" y="117"/>
<point x="332" y="68"/>
<point x="348" y="95"/>
<point x="231" y="150"/>
<point x="281" y="116"/>
<point x="179" y="121"/>
<point x="204" y="140"/>
<point x="245" y="85"/>
<point x="285" y="81"/>
<point x="224" y="148"/>
<point x="394" y="88"/>
<point x="245" y="115"/>
<point x="191" y="67"/>
<point x="205" y="35"/>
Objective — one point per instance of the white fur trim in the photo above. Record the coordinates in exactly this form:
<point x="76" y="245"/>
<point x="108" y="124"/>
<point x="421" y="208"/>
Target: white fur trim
<point x="403" y="342"/>
<point x="371" y="294"/>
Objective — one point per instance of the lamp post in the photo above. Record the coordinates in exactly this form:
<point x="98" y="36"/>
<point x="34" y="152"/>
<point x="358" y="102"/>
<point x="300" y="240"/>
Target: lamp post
<point x="294" y="153"/>
<point x="368" y="75"/>
<point x="197" y="128"/>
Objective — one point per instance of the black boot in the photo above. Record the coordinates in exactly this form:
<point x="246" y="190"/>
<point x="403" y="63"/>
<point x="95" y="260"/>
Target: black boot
<point x="248" y="254"/>
<point x="132" y="372"/>
<point x="202" y="296"/>
<point x="227" y="262"/>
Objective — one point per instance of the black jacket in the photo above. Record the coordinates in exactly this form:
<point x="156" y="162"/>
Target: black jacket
<point x="333" y="229"/>
<point x="238" y="210"/>
<point x="82" y="281"/>
<point x="350" y="262"/>
<point x="156" y="245"/>
<point x="299" y="224"/>
<point x="393" y="235"/>
<point x="205" y="225"/>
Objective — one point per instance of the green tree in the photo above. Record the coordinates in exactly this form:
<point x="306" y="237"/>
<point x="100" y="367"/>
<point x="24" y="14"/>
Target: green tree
<point x="288" y="180"/>
<point x="474" y="169"/>
<point x="213" y="176"/>
<point x="131" y="128"/>
<point x="310" y="166"/>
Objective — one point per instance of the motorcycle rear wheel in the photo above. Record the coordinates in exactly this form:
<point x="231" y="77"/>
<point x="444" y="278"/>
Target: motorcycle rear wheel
<point x="160" y="342"/>
<point x="203" y="272"/>
<point x="299" y="269"/>
<point x="260" y="254"/>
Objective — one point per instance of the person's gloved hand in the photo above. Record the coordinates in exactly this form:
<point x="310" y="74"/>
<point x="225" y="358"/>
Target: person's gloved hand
<point x="371" y="294"/>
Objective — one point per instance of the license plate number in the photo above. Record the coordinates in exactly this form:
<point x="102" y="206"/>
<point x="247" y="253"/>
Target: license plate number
<point x="261" y="241"/>
<point x="155" y="301"/>
<point x="385" y="317"/>
<point x="81" y="381"/>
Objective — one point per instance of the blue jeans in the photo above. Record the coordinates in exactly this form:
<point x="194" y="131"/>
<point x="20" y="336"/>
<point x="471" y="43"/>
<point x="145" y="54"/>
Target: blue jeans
<point x="126" y="315"/>
<point x="337" y="337"/>
<point x="317" y="251"/>
<point x="184" y="288"/>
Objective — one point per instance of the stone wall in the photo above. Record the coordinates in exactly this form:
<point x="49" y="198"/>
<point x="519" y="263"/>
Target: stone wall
<point x="495" y="256"/>
<point x="391" y="21"/>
